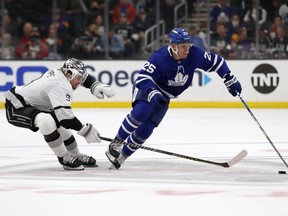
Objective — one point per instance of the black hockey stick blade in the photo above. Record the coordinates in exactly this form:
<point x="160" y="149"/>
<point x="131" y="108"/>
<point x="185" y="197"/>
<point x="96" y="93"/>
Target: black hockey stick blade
<point x="230" y="163"/>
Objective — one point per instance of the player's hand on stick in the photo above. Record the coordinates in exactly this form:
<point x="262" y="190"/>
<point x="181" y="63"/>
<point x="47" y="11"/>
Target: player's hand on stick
<point x="157" y="99"/>
<point x="100" y="90"/>
<point x="89" y="133"/>
<point x="232" y="84"/>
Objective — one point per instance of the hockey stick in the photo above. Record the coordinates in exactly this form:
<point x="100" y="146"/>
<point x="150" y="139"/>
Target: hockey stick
<point x="230" y="163"/>
<point x="261" y="128"/>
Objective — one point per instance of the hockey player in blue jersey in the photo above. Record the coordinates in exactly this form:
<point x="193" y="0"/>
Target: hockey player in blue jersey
<point x="164" y="76"/>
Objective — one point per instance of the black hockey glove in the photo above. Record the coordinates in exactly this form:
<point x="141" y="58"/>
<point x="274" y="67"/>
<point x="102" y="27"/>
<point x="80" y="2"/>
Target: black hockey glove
<point x="232" y="84"/>
<point x="157" y="99"/>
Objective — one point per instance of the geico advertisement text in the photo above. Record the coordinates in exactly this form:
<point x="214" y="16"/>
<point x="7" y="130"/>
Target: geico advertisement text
<point x="109" y="73"/>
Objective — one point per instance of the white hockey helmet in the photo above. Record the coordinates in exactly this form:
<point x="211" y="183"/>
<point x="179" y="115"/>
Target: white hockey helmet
<point x="76" y="68"/>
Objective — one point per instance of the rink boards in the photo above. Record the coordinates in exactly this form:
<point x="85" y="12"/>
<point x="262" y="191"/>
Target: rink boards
<point x="263" y="83"/>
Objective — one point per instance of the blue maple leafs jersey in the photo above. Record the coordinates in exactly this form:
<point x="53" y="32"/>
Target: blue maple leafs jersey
<point x="161" y="71"/>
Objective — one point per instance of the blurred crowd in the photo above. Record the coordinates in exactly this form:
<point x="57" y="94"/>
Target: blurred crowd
<point x="245" y="30"/>
<point x="37" y="29"/>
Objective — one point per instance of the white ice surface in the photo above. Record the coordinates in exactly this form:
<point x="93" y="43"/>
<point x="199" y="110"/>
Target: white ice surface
<point x="33" y="183"/>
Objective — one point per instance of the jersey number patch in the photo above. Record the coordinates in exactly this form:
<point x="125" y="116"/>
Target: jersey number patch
<point x="148" y="67"/>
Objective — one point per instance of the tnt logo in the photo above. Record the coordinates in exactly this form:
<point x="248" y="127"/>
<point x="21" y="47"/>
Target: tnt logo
<point x="265" y="78"/>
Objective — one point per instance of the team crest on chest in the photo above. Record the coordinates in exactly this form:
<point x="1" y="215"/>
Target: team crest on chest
<point x="180" y="79"/>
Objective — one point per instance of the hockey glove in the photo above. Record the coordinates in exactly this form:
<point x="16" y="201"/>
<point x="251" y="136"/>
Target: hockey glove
<point x="157" y="99"/>
<point x="100" y="90"/>
<point x="89" y="133"/>
<point x="232" y="84"/>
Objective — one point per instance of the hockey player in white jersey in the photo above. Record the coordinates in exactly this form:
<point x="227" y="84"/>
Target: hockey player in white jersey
<point x="165" y="75"/>
<point x="44" y="104"/>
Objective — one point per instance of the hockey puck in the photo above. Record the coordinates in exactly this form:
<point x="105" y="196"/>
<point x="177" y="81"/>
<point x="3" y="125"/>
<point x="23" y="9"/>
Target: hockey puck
<point x="282" y="172"/>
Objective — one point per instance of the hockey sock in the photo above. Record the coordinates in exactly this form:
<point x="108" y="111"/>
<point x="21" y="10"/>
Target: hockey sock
<point x="71" y="145"/>
<point x="69" y="140"/>
<point x="54" y="141"/>
<point x="139" y="136"/>
<point x="129" y="125"/>
<point x="128" y="150"/>
<point x="139" y="114"/>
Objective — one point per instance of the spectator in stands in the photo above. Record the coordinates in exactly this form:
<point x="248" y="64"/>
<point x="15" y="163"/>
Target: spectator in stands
<point x="7" y="48"/>
<point x="281" y="43"/>
<point x="62" y="22"/>
<point x="126" y="31"/>
<point x="95" y="7"/>
<point x="234" y="24"/>
<point x="55" y="44"/>
<point x="25" y="39"/>
<point x="222" y="13"/>
<point x="63" y="28"/>
<point x="196" y="40"/>
<point x="140" y="25"/>
<point x="272" y="8"/>
<point x="74" y="10"/>
<point x="88" y="45"/>
<point x="265" y="45"/>
<point x="26" y="31"/>
<point x="283" y="12"/>
<point x="250" y="15"/>
<point x="115" y="44"/>
<point x="243" y="46"/>
<point x="99" y="22"/>
<point x="9" y="25"/>
<point x="201" y="32"/>
<point x="33" y="47"/>
<point x="139" y="5"/>
<point x="124" y="7"/>
<point x="220" y="42"/>
<point x="277" y="22"/>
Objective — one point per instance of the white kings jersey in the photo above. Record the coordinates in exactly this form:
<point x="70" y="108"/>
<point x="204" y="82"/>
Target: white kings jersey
<point x="51" y="91"/>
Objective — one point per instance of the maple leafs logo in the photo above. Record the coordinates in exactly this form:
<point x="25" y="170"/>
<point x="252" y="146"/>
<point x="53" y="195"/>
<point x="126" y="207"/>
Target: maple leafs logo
<point x="180" y="79"/>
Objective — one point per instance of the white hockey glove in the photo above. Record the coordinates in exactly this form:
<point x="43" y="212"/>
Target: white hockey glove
<point x="89" y="133"/>
<point x="100" y="90"/>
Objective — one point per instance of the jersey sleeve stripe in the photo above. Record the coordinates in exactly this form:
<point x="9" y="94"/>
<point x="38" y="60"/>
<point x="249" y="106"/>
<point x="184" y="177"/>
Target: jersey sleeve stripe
<point x="220" y="64"/>
<point x="143" y="77"/>
<point x="214" y="63"/>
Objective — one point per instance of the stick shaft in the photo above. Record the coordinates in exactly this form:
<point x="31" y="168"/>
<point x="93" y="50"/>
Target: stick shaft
<point x="169" y="153"/>
<point x="263" y="131"/>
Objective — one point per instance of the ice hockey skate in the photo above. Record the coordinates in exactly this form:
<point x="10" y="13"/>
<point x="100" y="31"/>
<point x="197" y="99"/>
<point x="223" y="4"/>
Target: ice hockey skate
<point x="114" y="155"/>
<point x="116" y="164"/>
<point x="71" y="162"/>
<point x="88" y="161"/>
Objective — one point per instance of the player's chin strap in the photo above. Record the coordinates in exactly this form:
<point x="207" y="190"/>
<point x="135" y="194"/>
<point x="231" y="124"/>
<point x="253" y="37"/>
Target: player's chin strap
<point x="175" y="51"/>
